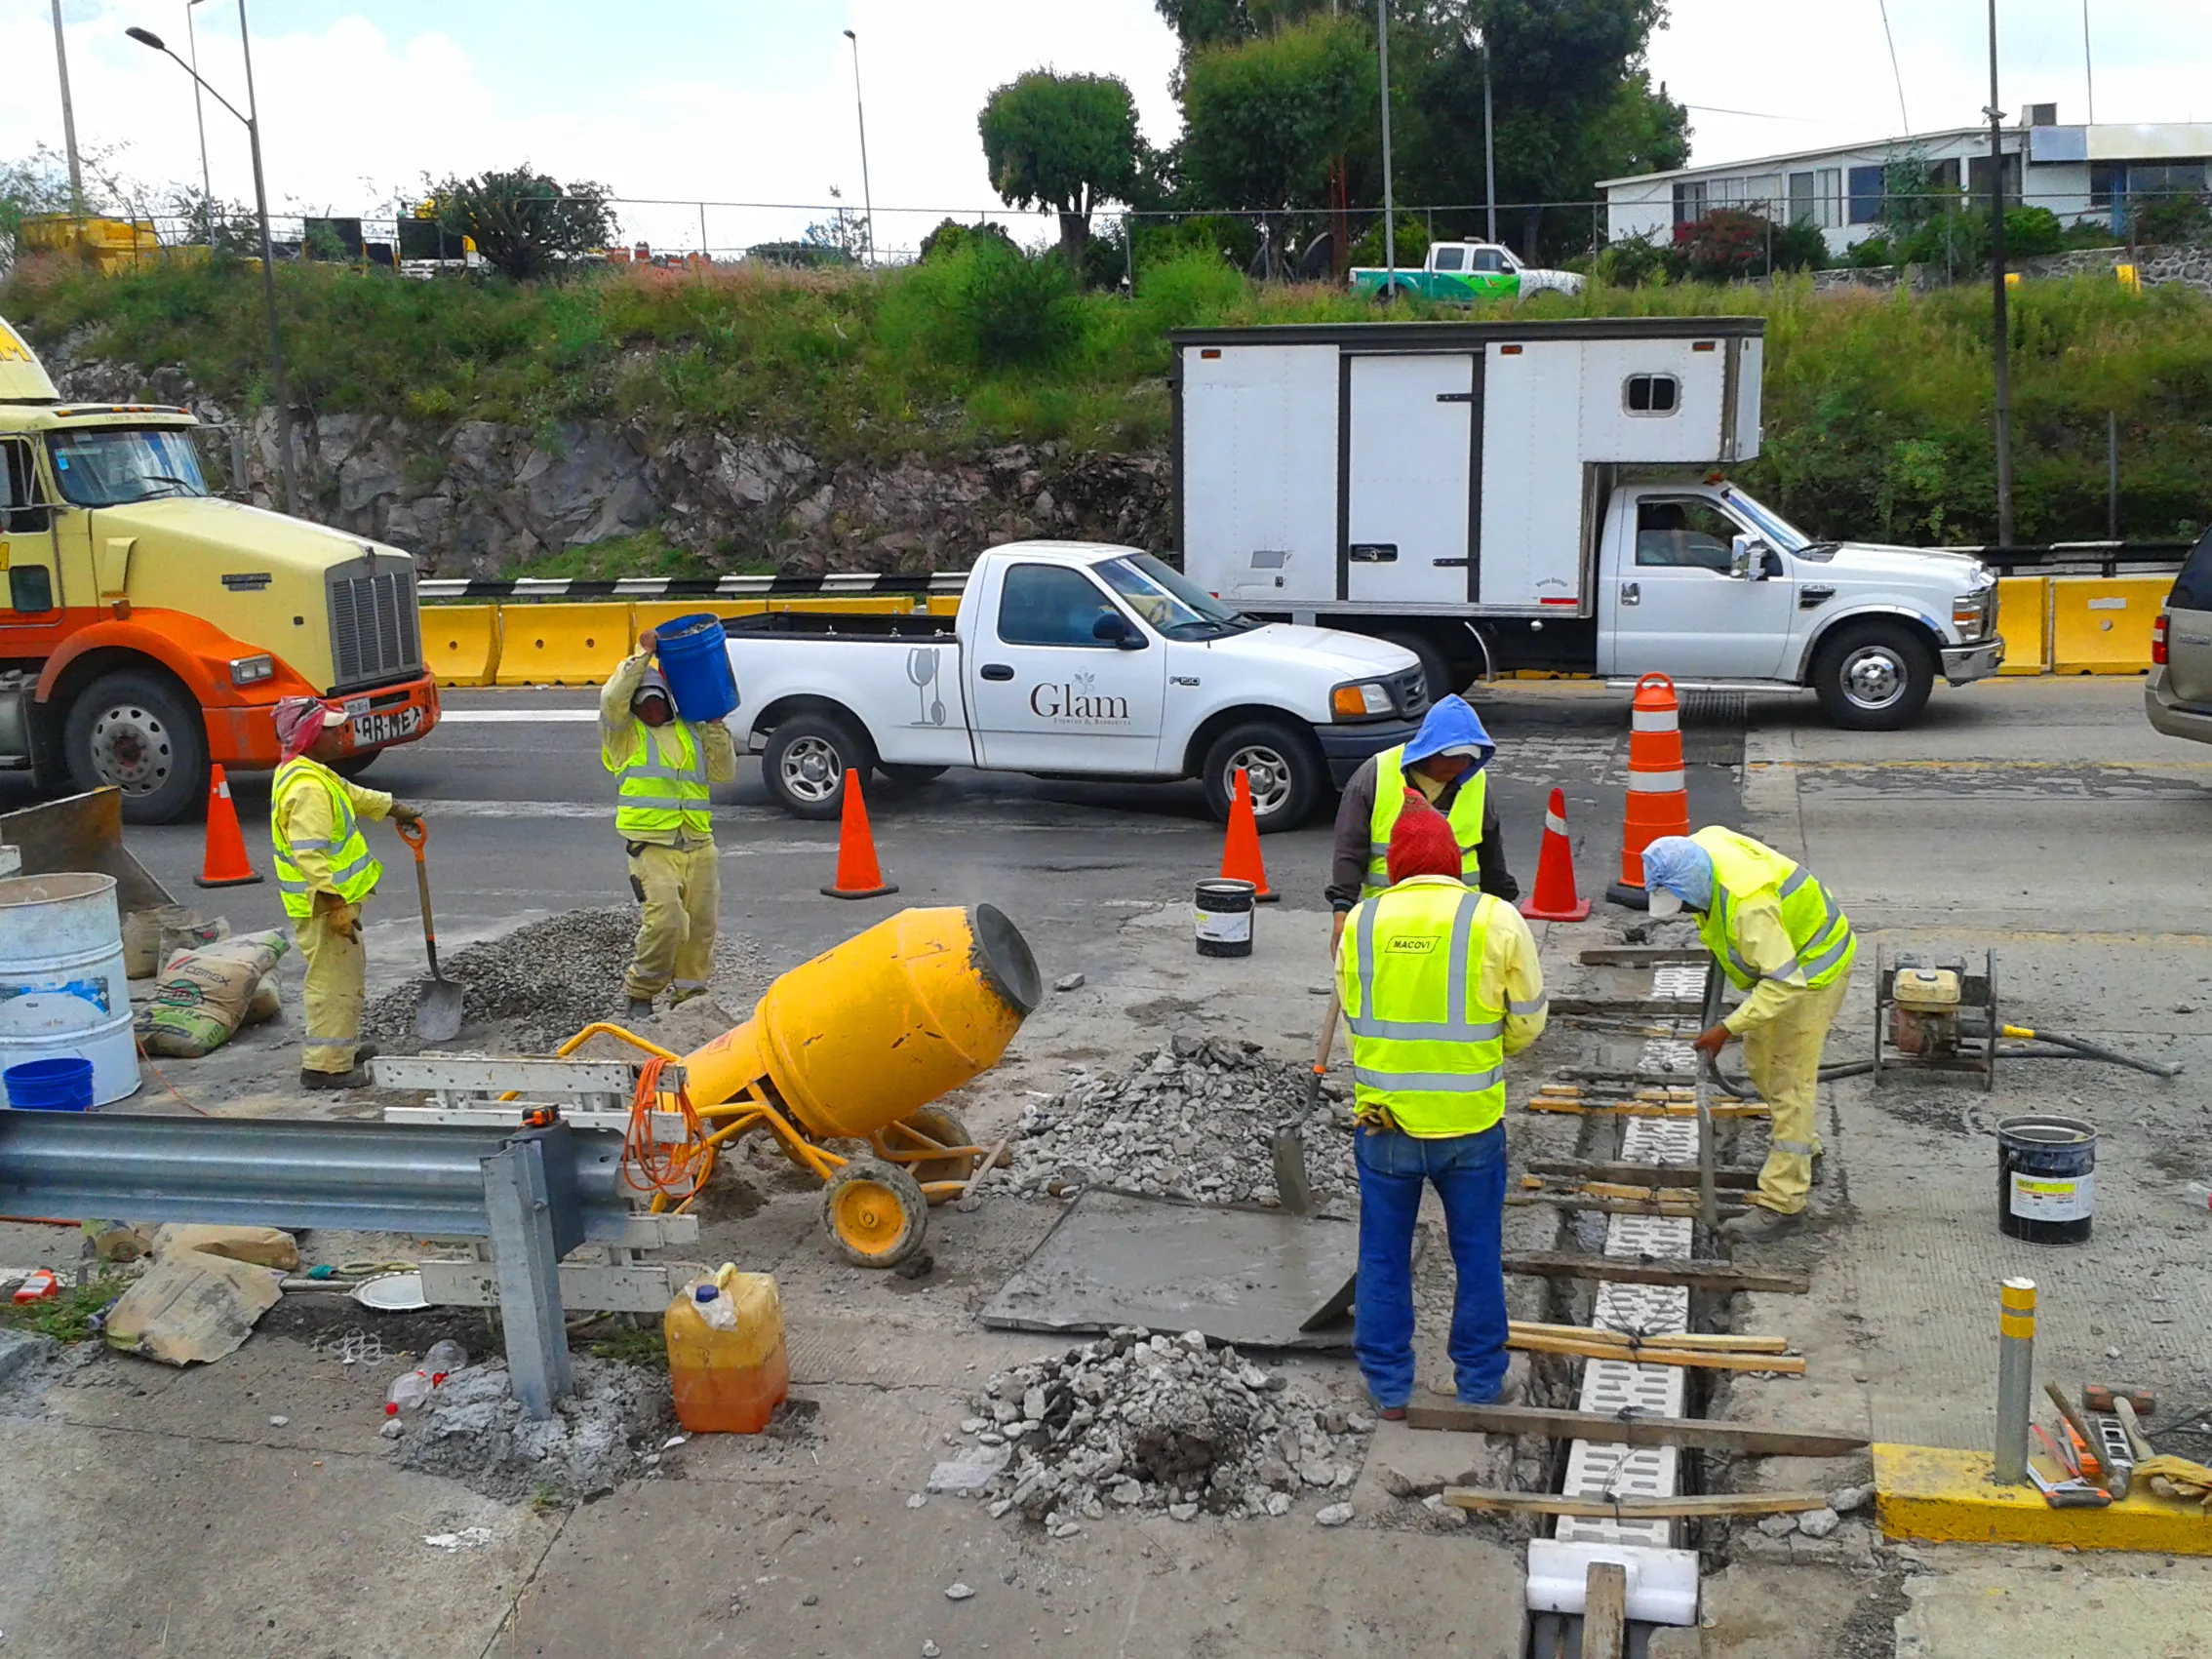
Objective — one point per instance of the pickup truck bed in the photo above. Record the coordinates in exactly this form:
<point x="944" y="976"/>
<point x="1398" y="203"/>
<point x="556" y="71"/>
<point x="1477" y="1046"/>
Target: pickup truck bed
<point x="816" y="625"/>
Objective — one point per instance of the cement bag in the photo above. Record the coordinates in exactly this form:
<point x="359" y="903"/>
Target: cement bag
<point x="152" y="937"/>
<point x="202" y="994"/>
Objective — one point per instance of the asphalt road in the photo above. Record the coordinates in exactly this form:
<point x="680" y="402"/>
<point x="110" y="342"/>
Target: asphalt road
<point x="522" y="826"/>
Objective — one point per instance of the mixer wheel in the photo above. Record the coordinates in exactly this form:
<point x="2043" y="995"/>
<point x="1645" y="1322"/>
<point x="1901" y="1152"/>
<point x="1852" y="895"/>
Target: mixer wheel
<point x="946" y="1130"/>
<point x="876" y="1212"/>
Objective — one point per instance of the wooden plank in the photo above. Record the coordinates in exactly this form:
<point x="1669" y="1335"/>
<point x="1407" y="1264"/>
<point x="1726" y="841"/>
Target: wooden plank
<point x="1648" y="1108"/>
<point x="1633" y="1508"/>
<point x="1637" y="955"/>
<point x="1742" y="1439"/>
<point x="1624" y="1008"/>
<point x="1630" y="1270"/>
<point x="1782" y="1365"/>
<point x="1660" y="1174"/>
<point x="1604" y="1611"/>
<point x="1699" y="1342"/>
<point x="1616" y="1206"/>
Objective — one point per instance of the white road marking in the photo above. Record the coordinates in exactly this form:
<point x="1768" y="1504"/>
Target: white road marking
<point x="518" y="716"/>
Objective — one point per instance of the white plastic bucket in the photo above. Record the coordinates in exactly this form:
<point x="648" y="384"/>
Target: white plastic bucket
<point x="62" y="988"/>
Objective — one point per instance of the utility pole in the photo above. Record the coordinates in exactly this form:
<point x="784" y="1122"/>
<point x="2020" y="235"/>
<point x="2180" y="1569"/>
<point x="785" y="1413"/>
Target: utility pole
<point x="200" y="115"/>
<point x="1489" y="148"/>
<point x="68" y="118"/>
<point x="1389" y="201"/>
<point x="2000" y="332"/>
<point x="284" y="463"/>
<point x="860" y="107"/>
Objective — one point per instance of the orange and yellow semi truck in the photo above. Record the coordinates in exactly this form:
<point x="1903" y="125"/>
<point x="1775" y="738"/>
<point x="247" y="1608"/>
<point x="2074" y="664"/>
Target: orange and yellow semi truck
<point x="148" y="628"/>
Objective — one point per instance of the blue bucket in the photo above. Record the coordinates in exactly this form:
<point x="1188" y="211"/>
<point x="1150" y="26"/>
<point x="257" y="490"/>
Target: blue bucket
<point x="50" y="1085"/>
<point x="694" y="658"/>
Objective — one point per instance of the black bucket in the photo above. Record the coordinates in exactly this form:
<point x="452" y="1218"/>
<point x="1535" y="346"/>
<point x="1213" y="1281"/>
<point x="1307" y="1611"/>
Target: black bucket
<point x="2046" y="1178"/>
<point x="1225" y="917"/>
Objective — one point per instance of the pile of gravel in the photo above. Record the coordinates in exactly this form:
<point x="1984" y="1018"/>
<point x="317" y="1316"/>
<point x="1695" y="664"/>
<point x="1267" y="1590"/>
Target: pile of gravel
<point x="472" y="1429"/>
<point x="1194" y="1120"/>
<point x="1147" y="1422"/>
<point x="546" y="980"/>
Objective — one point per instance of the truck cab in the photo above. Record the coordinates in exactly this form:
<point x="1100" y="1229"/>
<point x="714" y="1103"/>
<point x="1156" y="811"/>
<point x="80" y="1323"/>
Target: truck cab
<point x="150" y="627"/>
<point x="1465" y="270"/>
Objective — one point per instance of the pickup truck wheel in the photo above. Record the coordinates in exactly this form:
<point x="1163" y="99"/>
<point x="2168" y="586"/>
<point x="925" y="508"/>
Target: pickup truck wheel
<point x="1874" y="676"/>
<point x="136" y="732"/>
<point x="1281" y="764"/>
<point x="805" y="763"/>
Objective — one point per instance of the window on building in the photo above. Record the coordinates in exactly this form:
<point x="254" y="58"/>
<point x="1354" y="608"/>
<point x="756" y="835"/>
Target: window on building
<point x="1689" y="202"/>
<point x="1651" y="394"/>
<point x="1802" y="209"/>
<point x="1828" y="186"/>
<point x="1866" y="195"/>
<point x="2108" y="182"/>
<point x="2165" y="177"/>
<point x="1451" y="258"/>
<point x="1978" y="179"/>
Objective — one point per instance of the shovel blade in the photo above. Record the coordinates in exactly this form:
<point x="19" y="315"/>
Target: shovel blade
<point x="438" y="1012"/>
<point x="1289" y="1153"/>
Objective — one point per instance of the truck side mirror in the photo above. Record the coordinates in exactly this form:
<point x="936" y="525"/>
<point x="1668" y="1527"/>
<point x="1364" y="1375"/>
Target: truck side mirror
<point x="1114" y="629"/>
<point x="26" y="521"/>
<point x="1740" y="560"/>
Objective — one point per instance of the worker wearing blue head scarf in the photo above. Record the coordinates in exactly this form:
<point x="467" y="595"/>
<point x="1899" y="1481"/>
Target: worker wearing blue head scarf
<point x="1776" y="933"/>
<point x="1443" y="764"/>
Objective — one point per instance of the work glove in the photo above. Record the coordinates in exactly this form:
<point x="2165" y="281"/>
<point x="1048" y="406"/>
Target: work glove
<point x="405" y="812"/>
<point x="341" y="918"/>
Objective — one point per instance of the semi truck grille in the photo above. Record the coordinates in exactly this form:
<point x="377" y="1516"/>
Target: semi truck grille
<point x="374" y="633"/>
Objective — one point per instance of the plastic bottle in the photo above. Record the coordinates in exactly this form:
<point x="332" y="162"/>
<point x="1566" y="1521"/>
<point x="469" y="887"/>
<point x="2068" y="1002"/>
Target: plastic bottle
<point x="446" y="1357"/>
<point x="725" y="1355"/>
<point x="408" y="1390"/>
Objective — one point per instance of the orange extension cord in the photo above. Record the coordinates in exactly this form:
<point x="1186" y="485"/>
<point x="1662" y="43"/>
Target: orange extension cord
<point x="651" y="1164"/>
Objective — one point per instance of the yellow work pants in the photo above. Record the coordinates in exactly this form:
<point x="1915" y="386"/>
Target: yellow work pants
<point x="1783" y="1058"/>
<point x="680" y="890"/>
<point x="330" y="942"/>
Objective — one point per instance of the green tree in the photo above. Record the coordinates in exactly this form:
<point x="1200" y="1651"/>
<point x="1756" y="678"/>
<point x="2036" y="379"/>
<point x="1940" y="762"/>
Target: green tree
<point x="1063" y="142"/>
<point x="1264" y="120"/>
<point x="525" y="224"/>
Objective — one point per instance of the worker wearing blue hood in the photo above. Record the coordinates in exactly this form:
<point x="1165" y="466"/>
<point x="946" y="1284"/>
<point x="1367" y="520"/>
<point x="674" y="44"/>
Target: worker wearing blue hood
<point x="1446" y="762"/>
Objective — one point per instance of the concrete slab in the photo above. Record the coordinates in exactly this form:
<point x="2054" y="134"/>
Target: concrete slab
<point x="1988" y="1604"/>
<point x="1756" y="1610"/>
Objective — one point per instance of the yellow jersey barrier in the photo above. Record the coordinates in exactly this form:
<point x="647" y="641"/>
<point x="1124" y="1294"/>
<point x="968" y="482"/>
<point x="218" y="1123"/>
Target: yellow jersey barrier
<point x="2102" y="625"/>
<point x="561" y="645"/>
<point x="460" y="643"/>
<point x="2024" y="618"/>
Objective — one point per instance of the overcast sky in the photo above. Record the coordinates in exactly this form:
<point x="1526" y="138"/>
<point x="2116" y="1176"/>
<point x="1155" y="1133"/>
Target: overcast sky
<point x="751" y="101"/>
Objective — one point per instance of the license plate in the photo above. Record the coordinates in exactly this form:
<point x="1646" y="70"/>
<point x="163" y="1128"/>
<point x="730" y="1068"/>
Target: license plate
<point x="370" y="730"/>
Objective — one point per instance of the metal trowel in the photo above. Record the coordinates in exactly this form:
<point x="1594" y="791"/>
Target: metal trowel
<point x="437" y="1005"/>
<point x="1290" y="1149"/>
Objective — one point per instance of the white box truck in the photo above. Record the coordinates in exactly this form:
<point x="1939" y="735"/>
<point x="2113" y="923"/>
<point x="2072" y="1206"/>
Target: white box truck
<point x="1553" y="495"/>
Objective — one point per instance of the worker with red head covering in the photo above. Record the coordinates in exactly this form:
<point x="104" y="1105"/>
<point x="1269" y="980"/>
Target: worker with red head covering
<point x="1440" y="983"/>
<point x="326" y="873"/>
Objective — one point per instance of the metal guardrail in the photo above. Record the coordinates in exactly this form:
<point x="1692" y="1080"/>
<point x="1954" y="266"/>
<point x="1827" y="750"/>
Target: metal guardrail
<point x="2107" y="554"/>
<point x="535" y="1194"/>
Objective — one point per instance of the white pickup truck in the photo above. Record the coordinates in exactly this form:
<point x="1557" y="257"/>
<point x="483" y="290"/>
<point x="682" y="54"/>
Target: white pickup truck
<point x="1070" y="661"/>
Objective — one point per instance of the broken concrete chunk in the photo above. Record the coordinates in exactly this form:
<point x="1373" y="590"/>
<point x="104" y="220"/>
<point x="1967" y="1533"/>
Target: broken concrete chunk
<point x="1819" y="1522"/>
<point x="264" y="1247"/>
<point x="1182" y="1512"/>
<point x="1401" y="1484"/>
<point x="958" y="1591"/>
<point x="1778" y="1525"/>
<point x="972" y="1473"/>
<point x="1068" y="982"/>
<point x="1335" y="1514"/>
<point x="192" y="1308"/>
<point x="1846" y="1499"/>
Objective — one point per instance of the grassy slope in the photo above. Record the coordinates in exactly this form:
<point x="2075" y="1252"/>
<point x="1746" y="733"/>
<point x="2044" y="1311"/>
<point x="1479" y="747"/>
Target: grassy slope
<point x="1876" y="405"/>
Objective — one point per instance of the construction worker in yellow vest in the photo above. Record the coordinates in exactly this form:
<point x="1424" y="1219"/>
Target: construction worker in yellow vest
<point x="664" y="816"/>
<point x="1778" y="935"/>
<point x="325" y="874"/>
<point x="1443" y="766"/>
<point x="1438" y="983"/>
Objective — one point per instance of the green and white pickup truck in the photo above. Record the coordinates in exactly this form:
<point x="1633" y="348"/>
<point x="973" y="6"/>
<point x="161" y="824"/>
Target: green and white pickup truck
<point x="1464" y="270"/>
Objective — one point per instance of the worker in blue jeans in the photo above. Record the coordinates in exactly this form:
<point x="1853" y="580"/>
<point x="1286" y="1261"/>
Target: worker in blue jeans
<point x="1440" y="983"/>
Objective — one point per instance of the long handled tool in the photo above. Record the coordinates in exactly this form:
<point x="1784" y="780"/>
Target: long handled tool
<point x="438" y="1006"/>
<point x="1289" y="1148"/>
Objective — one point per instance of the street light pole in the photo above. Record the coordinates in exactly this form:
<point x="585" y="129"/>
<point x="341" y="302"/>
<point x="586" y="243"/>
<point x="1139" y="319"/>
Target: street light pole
<point x="2001" y="332"/>
<point x="68" y="118"/>
<point x="1489" y="153"/>
<point x="860" y="109"/>
<point x="200" y="115"/>
<point x="249" y="118"/>
<point x="1389" y="201"/>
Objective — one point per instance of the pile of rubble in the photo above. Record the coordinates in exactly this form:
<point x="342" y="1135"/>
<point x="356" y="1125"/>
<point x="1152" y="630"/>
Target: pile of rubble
<point x="1144" y="1421"/>
<point x="1193" y="1120"/>
<point x="547" y="980"/>
<point x="472" y="1429"/>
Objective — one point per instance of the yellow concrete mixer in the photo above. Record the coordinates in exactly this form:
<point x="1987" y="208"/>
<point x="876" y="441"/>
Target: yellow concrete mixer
<point x="855" y="1046"/>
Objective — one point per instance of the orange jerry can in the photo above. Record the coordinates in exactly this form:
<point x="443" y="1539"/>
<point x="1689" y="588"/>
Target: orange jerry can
<point x="725" y="1352"/>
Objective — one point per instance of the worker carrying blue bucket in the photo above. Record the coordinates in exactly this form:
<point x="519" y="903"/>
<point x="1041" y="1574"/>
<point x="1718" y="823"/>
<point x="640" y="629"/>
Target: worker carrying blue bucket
<point x="662" y="737"/>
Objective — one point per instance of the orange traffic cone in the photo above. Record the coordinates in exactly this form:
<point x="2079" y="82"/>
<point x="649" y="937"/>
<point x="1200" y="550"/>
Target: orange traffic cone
<point x="1240" y="859"/>
<point x="1657" y="804"/>
<point x="858" y="874"/>
<point x="1554" y="899"/>
<point x="225" y="864"/>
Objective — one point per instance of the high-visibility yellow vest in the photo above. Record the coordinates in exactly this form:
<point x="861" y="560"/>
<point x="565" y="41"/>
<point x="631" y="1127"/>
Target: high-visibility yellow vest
<point x="1820" y="936"/>
<point x="1423" y="1046"/>
<point x="352" y="870"/>
<point x="1465" y="816"/>
<point x="664" y="782"/>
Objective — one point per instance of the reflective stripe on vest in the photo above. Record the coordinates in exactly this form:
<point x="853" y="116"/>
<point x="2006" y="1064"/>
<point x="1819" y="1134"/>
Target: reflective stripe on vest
<point x="660" y="791"/>
<point x="353" y="871"/>
<point x="1821" y="940"/>
<point x="1465" y="816"/>
<point x="1422" y="1045"/>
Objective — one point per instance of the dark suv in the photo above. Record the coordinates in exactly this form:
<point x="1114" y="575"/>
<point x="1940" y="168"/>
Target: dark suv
<point x="2178" y="695"/>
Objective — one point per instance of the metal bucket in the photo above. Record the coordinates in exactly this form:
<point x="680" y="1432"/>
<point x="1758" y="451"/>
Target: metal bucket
<point x="62" y="989"/>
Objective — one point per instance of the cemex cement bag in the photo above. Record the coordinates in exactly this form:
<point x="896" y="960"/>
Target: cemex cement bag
<point x="203" y="996"/>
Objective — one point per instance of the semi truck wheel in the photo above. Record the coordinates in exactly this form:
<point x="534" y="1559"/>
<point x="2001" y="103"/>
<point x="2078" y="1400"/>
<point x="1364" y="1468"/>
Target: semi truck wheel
<point x="139" y="734"/>
<point x="1281" y="764"/>
<point x="806" y="762"/>
<point x="1874" y="676"/>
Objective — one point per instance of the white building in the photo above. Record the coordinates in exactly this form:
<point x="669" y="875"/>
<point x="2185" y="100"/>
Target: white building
<point x="2079" y="172"/>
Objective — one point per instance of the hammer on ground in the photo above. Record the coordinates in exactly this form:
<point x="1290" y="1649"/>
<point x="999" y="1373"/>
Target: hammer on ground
<point x="2099" y="1397"/>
